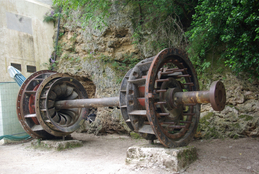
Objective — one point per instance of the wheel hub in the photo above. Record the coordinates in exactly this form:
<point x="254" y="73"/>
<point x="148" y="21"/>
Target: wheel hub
<point x="175" y="110"/>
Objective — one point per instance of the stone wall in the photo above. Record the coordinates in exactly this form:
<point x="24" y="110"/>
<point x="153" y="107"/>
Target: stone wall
<point x="240" y="117"/>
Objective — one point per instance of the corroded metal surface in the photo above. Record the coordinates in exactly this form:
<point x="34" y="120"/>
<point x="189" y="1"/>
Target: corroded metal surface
<point x="59" y="122"/>
<point x="35" y="105"/>
<point x="216" y="96"/>
<point x="25" y="105"/>
<point x="135" y="99"/>
<point x="87" y="103"/>
<point x="123" y="98"/>
<point x="175" y="128"/>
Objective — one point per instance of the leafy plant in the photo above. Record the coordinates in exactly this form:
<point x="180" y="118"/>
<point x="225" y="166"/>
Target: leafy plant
<point x="232" y="26"/>
<point x="58" y="50"/>
<point x="52" y="15"/>
<point x="61" y="34"/>
<point x="49" y="17"/>
<point x="161" y="24"/>
<point x="93" y="10"/>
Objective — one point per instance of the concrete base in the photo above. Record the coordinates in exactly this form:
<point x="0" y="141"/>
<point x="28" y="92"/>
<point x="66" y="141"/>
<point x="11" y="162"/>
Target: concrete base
<point x="173" y="159"/>
<point x="56" y="144"/>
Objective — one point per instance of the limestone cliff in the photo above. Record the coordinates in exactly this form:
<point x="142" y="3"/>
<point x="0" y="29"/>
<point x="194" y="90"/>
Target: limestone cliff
<point x="241" y="115"/>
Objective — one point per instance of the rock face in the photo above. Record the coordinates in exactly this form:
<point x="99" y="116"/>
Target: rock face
<point x="87" y="54"/>
<point x="241" y="115"/>
<point x="92" y="56"/>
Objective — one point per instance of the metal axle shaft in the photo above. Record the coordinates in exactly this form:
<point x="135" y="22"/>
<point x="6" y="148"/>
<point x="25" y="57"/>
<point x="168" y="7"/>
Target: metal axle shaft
<point x="216" y="96"/>
<point x="87" y="103"/>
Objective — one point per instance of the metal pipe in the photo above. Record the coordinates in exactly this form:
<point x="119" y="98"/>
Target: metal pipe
<point x="55" y="55"/>
<point x="216" y="96"/>
<point x="86" y="103"/>
<point x="192" y="97"/>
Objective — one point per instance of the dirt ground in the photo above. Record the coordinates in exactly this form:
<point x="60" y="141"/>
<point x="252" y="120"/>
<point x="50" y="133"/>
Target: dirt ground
<point x="106" y="154"/>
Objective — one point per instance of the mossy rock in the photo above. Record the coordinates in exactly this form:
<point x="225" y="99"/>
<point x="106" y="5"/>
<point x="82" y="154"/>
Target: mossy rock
<point x="212" y="132"/>
<point x="204" y="121"/>
<point x="135" y="135"/>
<point x="246" y="117"/>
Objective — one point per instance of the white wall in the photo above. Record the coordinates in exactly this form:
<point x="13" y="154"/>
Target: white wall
<point x="49" y="2"/>
<point x="25" y="38"/>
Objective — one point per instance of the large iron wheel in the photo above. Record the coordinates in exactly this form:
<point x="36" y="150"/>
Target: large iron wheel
<point x="173" y="124"/>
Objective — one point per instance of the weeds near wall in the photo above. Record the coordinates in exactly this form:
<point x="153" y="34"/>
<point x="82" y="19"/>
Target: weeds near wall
<point x="231" y="25"/>
<point x="58" y="49"/>
<point x="49" y="17"/>
<point x="52" y="15"/>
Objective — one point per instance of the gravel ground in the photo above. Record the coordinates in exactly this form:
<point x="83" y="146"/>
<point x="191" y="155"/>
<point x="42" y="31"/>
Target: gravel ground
<point x="106" y="154"/>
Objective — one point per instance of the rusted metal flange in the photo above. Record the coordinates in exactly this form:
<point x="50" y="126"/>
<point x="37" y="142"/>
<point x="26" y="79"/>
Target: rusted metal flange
<point x="217" y="96"/>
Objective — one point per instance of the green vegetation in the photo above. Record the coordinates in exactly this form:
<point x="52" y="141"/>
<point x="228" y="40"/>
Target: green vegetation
<point x="68" y="146"/>
<point x="246" y="117"/>
<point x="38" y="144"/>
<point x="52" y="15"/>
<point x="233" y="107"/>
<point x="189" y="155"/>
<point x="230" y="27"/>
<point x="227" y="29"/>
<point x="205" y="124"/>
<point x="236" y="125"/>
<point x="172" y="18"/>
<point x="97" y="11"/>
<point x="212" y="133"/>
<point x="233" y="135"/>
<point x="135" y="135"/>
<point x="205" y="121"/>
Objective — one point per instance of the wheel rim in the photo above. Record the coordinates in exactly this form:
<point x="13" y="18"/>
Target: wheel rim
<point x="135" y="99"/>
<point x="171" y="66"/>
<point x="25" y="106"/>
<point x="65" y="121"/>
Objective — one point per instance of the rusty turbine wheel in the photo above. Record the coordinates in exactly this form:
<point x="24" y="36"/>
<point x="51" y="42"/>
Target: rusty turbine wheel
<point x="25" y="105"/>
<point x="148" y="98"/>
<point x="132" y="103"/>
<point x="36" y="105"/>
<point x="173" y="123"/>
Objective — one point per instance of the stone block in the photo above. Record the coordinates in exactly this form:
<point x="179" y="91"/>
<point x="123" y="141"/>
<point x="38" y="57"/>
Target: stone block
<point x="56" y="144"/>
<point x="173" y="159"/>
